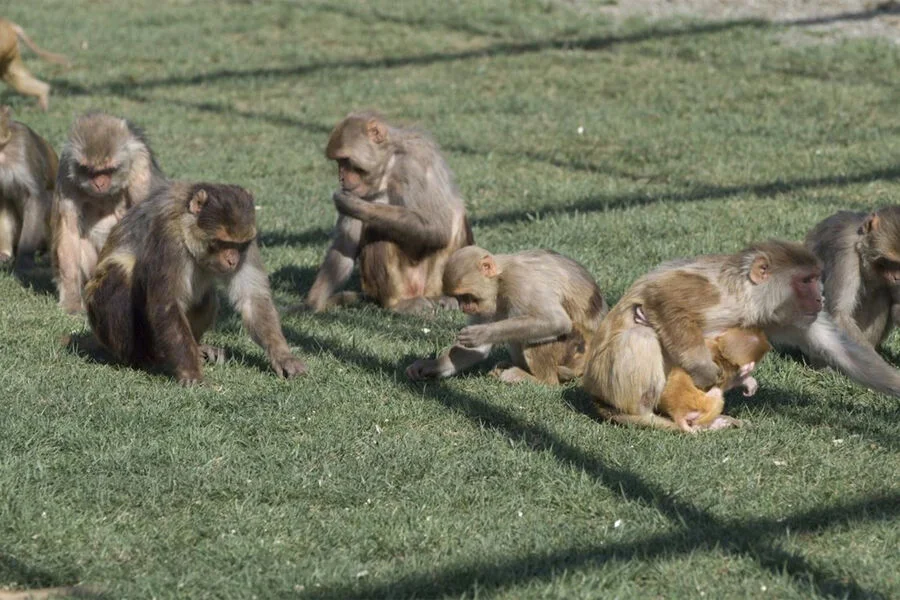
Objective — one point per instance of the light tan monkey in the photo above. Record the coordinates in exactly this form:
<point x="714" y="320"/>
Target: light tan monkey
<point x="861" y="257"/>
<point x="772" y="285"/>
<point x="13" y="70"/>
<point x="399" y="213"/>
<point x="27" y="178"/>
<point x="105" y="168"/>
<point x="544" y="305"/>
<point x="737" y="352"/>
<point x="153" y="294"/>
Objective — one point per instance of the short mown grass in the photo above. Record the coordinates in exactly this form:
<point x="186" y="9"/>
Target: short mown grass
<point x="619" y="145"/>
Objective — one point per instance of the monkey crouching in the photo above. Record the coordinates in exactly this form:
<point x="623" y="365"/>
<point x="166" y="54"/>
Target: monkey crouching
<point x="153" y="294"/>
<point x="545" y="306"/>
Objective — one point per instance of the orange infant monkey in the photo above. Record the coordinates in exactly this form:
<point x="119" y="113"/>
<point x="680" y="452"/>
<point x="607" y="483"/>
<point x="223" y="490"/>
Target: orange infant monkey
<point x="13" y="70"/>
<point x="736" y="352"/>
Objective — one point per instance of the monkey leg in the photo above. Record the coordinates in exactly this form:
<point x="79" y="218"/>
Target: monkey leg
<point x="9" y="225"/>
<point x="111" y="313"/>
<point x="22" y="80"/>
<point x="33" y="235"/>
<point x="512" y="374"/>
<point x="626" y="379"/>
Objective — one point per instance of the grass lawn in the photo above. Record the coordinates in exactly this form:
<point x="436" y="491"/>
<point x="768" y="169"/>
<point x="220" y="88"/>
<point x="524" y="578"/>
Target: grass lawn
<point x="619" y="145"/>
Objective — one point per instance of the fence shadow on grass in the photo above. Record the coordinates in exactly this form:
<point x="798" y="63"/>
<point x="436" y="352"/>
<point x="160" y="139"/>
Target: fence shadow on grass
<point x="37" y="584"/>
<point x="700" y="530"/>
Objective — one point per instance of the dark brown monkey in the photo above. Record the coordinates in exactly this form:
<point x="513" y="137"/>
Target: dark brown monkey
<point x="545" y="306"/>
<point x="861" y="257"/>
<point x="399" y="213"/>
<point x="13" y="70"/>
<point x="106" y="167"/>
<point x="27" y="178"/>
<point x="153" y="294"/>
<point x="736" y="352"/>
<point x="772" y="285"/>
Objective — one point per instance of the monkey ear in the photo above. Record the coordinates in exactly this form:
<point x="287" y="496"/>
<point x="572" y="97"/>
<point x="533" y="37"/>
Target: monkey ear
<point x="376" y="130"/>
<point x="488" y="267"/>
<point x="759" y="270"/>
<point x="197" y="202"/>
<point x="870" y="224"/>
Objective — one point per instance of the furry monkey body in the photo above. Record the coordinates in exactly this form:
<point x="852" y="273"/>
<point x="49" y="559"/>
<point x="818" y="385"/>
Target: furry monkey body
<point x="153" y="295"/>
<point x="13" y="70"/>
<point x="28" y="167"/>
<point x="771" y="285"/>
<point x="545" y="306"/>
<point x="399" y="213"/>
<point x="106" y="167"/>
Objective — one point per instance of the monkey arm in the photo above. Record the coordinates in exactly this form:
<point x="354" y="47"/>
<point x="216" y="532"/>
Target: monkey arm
<point x="842" y="289"/>
<point x="338" y="263"/>
<point x="682" y="338"/>
<point x="171" y="329"/>
<point x="523" y="329"/>
<point x="825" y="341"/>
<point x="407" y="226"/>
<point x="249" y="291"/>
<point x="458" y="358"/>
<point x="66" y="253"/>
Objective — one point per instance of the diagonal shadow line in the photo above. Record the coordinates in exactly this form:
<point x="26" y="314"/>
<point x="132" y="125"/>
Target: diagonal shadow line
<point x="882" y="10"/>
<point x="590" y="43"/>
<point x="749" y="538"/>
<point x="763" y="190"/>
<point x="741" y="538"/>
<point x="419" y="24"/>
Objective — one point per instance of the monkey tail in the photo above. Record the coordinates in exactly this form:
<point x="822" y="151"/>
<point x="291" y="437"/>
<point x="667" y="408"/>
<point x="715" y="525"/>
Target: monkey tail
<point x="648" y="419"/>
<point x="48" y="56"/>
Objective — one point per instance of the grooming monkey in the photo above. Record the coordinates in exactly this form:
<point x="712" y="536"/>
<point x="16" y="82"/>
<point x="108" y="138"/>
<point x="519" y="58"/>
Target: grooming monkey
<point x="772" y="285"/>
<point x="106" y="167"/>
<point x="27" y="178"/>
<point x="13" y="70"/>
<point x="153" y="294"/>
<point x="861" y="257"/>
<point x="736" y="352"/>
<point x="399" y="213"/>
<point x="544" y="305"/>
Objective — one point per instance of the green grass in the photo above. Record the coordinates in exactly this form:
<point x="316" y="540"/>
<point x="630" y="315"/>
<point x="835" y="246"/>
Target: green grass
<point x="354" y="483"/>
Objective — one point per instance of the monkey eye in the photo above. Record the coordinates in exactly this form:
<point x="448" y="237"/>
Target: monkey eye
<point x="809" y="279"/>
<point x="466" y="299"/>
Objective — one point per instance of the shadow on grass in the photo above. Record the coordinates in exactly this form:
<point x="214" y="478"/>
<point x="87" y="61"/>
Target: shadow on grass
<point x="39" y="279"/>
<point x="310" y="237"/>
<point x="39" y="584"/>
<point x="292" y="279"/>
<point x="699" y="530"/>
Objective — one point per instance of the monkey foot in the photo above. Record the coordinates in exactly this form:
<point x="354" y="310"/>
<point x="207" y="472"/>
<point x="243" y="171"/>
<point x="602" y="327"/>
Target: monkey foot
<point x="212" y="354"/>
<point x="750" y="385"/>
<point x="190" y="380"/>
<point x="5" y="257"/>
<point x="640" y="317"/>
<point x="511" y="374"/>
<point x="725" y="422"/>
<point x="746" y="369"/>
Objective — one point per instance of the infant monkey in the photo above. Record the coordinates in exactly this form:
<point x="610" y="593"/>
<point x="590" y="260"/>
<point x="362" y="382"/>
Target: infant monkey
<point x="736" y="352"/>
<point x="544" y="305"/>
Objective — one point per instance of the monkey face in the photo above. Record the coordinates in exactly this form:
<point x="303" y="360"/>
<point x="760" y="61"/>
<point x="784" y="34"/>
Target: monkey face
<point x="807" y="288"/>
<point x="352" y="178"/>
<point x="224" y="257"/>
<point x="99" y="180"/>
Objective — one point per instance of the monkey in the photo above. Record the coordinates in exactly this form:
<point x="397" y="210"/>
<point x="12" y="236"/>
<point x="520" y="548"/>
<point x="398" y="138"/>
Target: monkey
<point x="106" y="167"/>
<point x="153" y="293"/>
<point x="736" y="352"/>
<point x="28" y="167"/>
<point x="12" y="69"/>
<point x="545" y="306"/>
<point x="49" y="593"/>
<point x="861" y="257"/>
<point x="399" y="213"/>
<point x="773" y="285"/>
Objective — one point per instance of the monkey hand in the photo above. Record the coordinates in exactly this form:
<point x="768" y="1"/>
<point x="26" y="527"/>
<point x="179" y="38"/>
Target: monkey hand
<point x="473" y="336"/>
<point x="750" y="385"/>
<point x="189" y="378"/>
<point x="423" y="368"/>
<point x="348" y="204"/>
<point x="288" y="366"/>
<point x="705" y="374"/>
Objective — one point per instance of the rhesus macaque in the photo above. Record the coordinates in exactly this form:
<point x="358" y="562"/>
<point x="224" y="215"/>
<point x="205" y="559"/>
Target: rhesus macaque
<point x="861" y="257"/>
<point x="736" y="352"/>
<point x="27" y="178"/>
<point x="545" y="306"/>
<point x="13" y="70"/>
<point x="399" y="212"/>
<point x="106" y="167"/>
<point x="771" y="285"/>
<point x="153" y="294"/>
